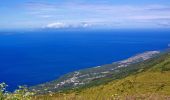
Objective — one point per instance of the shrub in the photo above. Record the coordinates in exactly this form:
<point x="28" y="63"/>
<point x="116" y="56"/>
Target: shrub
<point x="20" y="94"/>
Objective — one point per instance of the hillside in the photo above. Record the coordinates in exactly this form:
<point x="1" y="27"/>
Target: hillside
<point x="94" y="76"/>
<point x="149" y="79"/>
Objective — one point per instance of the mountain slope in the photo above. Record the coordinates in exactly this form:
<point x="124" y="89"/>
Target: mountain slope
<point x="150" y="81"/>
<point x="96" y="75"/>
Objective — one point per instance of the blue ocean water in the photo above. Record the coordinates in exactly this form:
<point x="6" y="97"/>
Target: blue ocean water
<point x="30" y="58"/>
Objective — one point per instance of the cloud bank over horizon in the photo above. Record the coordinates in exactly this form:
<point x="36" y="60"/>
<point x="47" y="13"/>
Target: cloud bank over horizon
<point x="85" y="14"/>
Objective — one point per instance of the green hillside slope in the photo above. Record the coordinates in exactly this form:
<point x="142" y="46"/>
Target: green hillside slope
<point x="150" y="82"/>
<point x="95" y="76"/>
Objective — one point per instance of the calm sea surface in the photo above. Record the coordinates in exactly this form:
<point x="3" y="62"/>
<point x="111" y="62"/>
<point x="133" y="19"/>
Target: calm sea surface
<point x="35" y="57"/>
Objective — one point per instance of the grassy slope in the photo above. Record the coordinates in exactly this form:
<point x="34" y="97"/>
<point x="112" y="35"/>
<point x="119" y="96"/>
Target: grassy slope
<point x="152" y="81"/>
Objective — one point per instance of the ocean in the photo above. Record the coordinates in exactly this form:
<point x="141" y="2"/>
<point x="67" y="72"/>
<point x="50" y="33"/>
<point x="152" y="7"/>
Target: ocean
<point x="34" y="57"/>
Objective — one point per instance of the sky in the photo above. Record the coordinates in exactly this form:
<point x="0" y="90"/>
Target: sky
<point x="26" y="14"/>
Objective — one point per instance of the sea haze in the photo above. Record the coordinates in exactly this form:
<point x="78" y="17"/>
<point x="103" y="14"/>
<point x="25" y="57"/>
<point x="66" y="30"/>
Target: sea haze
<point x="39" y="56"/>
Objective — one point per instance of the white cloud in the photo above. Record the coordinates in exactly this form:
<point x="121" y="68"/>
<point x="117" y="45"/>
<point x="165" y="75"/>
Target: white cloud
<point x="57" y="25"/>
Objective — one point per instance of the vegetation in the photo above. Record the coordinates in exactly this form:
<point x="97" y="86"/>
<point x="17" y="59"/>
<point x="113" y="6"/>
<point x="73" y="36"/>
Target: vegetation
<point x="148" y="80"/>
<point x="95" y="76"/>
<point x="20" y="94"/>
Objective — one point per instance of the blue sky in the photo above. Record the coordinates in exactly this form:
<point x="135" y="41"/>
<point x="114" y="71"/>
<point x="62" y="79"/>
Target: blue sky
<point x="25" y="14"/>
